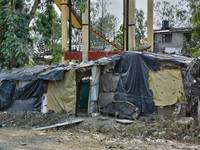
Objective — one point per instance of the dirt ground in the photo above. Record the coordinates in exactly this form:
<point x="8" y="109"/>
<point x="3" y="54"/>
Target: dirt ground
<point x="92" y="134"/>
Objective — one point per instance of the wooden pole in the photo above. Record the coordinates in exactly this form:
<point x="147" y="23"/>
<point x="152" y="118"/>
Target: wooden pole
<point x="150" y="24"/>
<point x="85" y="30"/>
<point x="64" y="27"/>
<point x="131" y="26"/>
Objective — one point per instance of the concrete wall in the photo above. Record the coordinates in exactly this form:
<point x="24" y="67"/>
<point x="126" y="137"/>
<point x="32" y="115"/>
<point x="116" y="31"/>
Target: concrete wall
<point x="177" y="41"/>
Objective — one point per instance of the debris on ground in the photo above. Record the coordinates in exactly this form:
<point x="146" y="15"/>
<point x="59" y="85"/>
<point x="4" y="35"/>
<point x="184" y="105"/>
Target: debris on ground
<point x="32" y="119"/>
<point x="60" y="124"/>
<point x="124" y="110"/>
<point x="124" y="121"/>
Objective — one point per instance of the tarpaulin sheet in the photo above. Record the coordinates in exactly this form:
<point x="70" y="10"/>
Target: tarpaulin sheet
<point x="22" y="74"/>
<point x="190" y="74"/>
<point x="94" y="89"/>
<point x="133" y="86"/>
<point x="62" y="94"/>
<point x="28" y="73"/>
<point x="21" y="105"/>
<point x="53" y="74"/>
<point x="6" y="94"/>
<point x="109" y="82"/>
<point x="30" y="95"/>
<point x="167" y="87"/>
<point x="124" y="110"/>
<point x="33" y="90"/>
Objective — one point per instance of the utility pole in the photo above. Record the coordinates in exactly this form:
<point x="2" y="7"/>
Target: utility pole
<point x="70" y="26"/>
<point x="102" y="25"/>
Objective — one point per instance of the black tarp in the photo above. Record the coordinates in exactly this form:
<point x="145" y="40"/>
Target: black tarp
<point x="33" y="90"/>
<point x="7" y="89"/>
<point x="53" y="74"/>
<point x="133" y="86"/>
<point x="30" y="73"/>
<point x="26" y="73"/>
<point x="191" y="87"/>
<point x="21" y="105"/>
<point x="124" y="110"/>
<point x="11" y="95"/>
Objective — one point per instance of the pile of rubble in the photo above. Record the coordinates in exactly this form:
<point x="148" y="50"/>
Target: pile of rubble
<point x="32" y="119"/>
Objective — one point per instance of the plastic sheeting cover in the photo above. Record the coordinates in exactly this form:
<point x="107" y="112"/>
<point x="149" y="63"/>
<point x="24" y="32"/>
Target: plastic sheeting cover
<point x="124" y="110"/>
<point x="62" y="94"/>
<point x="12" y="96"/>
<point x="34" y="91"/>
<point x="167" y="87"/>
<point x="133" y="86"/>
<point x="6" y="94"/>
<point x="109" y="82"/>
<point x="22" y="74"/>
<point x="94" y="92"/>
<point x="28" y="73"/>
<point x="53" y="74"/>
<point x="21" y="105"/>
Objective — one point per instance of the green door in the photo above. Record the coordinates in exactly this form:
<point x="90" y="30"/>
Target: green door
<point x="85" y="88"/>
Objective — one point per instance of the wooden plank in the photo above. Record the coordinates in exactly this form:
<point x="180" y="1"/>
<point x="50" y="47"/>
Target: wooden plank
<point x="60" y="124"/>
<point x="124" y="121"/>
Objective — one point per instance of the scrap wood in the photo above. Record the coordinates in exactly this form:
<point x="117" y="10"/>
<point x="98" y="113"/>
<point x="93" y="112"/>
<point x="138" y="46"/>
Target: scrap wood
<point x="60" y="124"/>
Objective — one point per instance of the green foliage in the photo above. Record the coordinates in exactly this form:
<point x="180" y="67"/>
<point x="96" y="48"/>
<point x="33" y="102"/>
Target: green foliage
<point x="179" y="15"/>
<point x="196" y="20"/>
<point x="56" y="53"/>
<point x="13" y="33"/>
<point x="140" y="25"/>
<point x="30" y="64"/>
<point x="81" y="4"/>
<point x="115" y="50"/>
<point x="139" y="46"/>
<point x="140" y="29"/>
<point x="15" y="39"/>
<point x="43" y="22"/>
<point x="102" y="22"/>
<point x="193" y="47"/>
<point x="119" y="36"/>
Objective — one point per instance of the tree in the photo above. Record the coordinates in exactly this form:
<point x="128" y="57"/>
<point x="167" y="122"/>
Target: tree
<point x="193" y="47"/>
<point x="140" y="28"/>
<point x="15" y="20"/>
<point x="109" y="27"/>
<point x="119" y="36"/>
<point x="140" y="25"/>
<point x="196" y="20"/>
<point x="103" y="22"/>
<point x="167" y="12"/>
<point x="178" y="15"/>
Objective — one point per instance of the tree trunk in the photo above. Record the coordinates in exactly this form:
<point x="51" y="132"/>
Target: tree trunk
<point x="33" y="10"/>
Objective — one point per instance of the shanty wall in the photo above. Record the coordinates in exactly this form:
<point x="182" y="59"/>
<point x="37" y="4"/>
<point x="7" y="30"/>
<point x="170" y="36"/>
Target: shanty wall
<point x="61" y="95"/>
<point x="177" y="41"/>
<point x="108" y="86"/>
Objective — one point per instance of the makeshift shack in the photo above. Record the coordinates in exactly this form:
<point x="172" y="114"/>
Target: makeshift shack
<point x="149" y="82"/>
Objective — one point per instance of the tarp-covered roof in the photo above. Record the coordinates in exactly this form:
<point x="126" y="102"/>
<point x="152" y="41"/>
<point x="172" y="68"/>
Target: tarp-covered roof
<point x="29" y="73"/>
<point x="53" y="72"/>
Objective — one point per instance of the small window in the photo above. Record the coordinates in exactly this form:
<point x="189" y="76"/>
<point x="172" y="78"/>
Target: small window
<point x="167" y="38"/>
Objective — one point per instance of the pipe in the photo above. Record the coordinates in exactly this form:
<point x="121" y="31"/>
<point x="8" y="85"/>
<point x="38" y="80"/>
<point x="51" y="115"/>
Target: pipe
<point x="127" y="15"/>
<point x="123" y="21"/>
<point x="70" y="25"/>
<point x="89" y="25"/>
